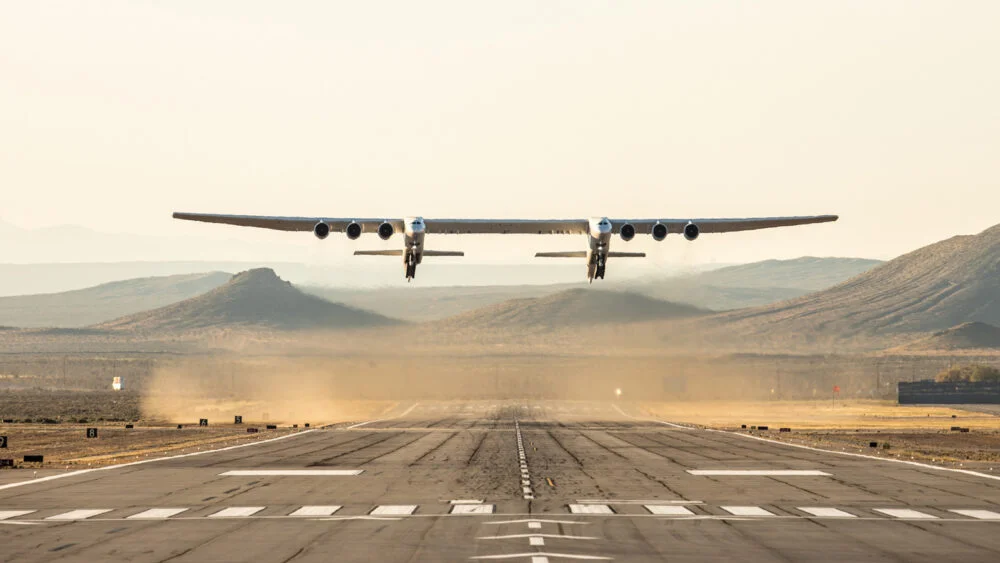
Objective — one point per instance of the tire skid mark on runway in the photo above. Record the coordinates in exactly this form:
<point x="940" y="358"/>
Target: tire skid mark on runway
<point x="475" y="452"/>
<point x="396" y="449"/>
<point x="788" y="483"/>
<point x="854" y="538"/>
<point x="276" y="453"/>
<point x="666" y="457"/>
<point x="754" y="540"/>
<point x="434" y="449"/>
<point x="326" y="461"/>
<point x="660" y="481"/>
<point x="579" y="463"/>
<point x="602" y="446"/>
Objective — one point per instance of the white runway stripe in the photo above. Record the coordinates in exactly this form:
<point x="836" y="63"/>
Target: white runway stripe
<point x="293" y="472"/>
<point x="746" y="511"/>
<point x="472" y="509"/>
<point x="823" y="512"/>
<point x="316" y="511"/>
<point x="5" y="514"/>
<point x="590" y="509"/>
<point x="668" y="510"/>
<point x="394" y="510"/>
<point x="977" y="514"/>
<point x="759" y="472"/>
<point x="905" y="513"/>
<point x="79" y="514"/>
<point x="237" y="512"/>
<point x="157" y="513"/>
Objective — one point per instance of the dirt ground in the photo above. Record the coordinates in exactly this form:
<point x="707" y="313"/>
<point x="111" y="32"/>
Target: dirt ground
<point x="914" y="433"/>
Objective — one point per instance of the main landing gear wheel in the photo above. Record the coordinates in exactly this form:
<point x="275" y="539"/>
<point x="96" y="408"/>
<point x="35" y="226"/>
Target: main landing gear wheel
<point x="411" y="268"/>
<point x="599" y="273"/>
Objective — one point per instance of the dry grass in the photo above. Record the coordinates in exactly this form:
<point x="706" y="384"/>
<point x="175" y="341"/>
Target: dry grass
<point x="844" y="415"/>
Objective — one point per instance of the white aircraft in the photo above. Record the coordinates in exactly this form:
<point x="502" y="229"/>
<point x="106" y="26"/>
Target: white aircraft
<point x="599" y="230"/>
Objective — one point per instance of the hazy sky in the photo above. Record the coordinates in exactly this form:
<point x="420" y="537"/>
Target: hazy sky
<point x="113" y="114"/>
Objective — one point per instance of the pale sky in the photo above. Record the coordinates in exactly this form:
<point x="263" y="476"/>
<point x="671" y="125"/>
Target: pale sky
<point x="115" y="113"/>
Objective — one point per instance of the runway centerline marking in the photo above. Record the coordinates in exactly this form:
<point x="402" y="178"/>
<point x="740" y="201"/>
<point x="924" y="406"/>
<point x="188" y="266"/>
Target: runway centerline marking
<point x="293" y="472"/>
<point x="759" y="472"/>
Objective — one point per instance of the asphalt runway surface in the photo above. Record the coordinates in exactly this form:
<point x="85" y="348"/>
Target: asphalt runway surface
<point x="505" y="481"/>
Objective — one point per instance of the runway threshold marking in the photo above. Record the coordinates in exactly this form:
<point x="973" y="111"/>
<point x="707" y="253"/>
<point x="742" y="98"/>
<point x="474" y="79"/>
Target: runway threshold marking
<point x="746" y="511"/>
<point x="823" y="512"/>
<point x="668" y="510"/>
<point x="293" y="472"/>
<point x="306" y="511"/>
<point x="157" y="513"/>
<point x="905" y="513"/>
<point x="473" y="509"/>
<point x="541" y="556"/>
<point x="536" y="535"/>
<point x="237" y="512"/>
<point x="590" y="509"/>
<point x="5" y="514"/>
<point x="79" y="514"/>
<point x="978" y="514"/>
<point x="393" y="510"/>
<point x="759" y="472"/>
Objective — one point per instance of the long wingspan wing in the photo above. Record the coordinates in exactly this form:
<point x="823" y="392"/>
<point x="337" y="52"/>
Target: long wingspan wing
<point x="645" y="226"/>
<point x="289" y="223"/>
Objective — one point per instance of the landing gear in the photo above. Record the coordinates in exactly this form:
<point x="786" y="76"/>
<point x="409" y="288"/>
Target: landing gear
<point x="601" y="263"/>
<point x="411" y="267"/>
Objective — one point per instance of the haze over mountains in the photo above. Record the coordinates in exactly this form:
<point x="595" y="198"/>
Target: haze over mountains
<point x="966" y="336"/>
<point x="256" y="299"/>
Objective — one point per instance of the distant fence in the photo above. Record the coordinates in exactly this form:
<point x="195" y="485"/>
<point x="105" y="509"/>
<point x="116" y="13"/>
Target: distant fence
<point x="963" y="392"/>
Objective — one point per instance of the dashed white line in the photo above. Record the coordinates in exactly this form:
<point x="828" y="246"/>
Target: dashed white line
<point x="536" y="540"/>
<point x="759" y="472"/>
<point x="823" y="512"/>
<point x="5" y="514"/>
<point x="292" y="473"/>
<point x="393" y="510"/>
<point x="978" y="514"/>
<point x="590" y="509"/>
<point x="473" y="509"/>
<point x="668" y="510"/>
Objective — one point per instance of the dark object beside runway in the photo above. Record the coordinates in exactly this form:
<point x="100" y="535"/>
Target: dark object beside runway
<point x="952" y="393"/>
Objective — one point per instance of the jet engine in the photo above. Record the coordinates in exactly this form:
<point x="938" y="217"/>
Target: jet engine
<point x="385" y="230"/>
<point x="659" y="232"/>
<point x="691" y="231"/>
<point x="321" y="230"/>
<point x="353" y="231"/>
<point x="627" y="232"/>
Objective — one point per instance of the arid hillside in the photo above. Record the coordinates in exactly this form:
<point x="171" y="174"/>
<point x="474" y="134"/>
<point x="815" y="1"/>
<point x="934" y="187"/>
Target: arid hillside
<point x="930" y="289"/>
<point x="966" y="336"/>
<point x="252" y="299"/>
<point x="570" y="308"/>
<point x="84" y="307"/>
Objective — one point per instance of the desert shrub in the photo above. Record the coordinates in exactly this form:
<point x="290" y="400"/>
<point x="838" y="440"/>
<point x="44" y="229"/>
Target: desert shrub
<point x="984" y="373"/>
<point x="970" y="372"/>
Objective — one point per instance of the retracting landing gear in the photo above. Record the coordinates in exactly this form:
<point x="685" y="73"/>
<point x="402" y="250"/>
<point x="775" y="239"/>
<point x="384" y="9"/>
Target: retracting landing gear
<point x="601" y="263"/>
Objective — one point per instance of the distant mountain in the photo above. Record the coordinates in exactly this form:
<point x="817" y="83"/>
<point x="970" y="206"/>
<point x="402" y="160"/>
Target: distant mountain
<point x="966" y="336"/>
<point x="252" y="299"/>
<point x="93" y="305"/>
<point x="755" y="284"/>
<point x="574" y="307"/>
<point x="930" y="289"/>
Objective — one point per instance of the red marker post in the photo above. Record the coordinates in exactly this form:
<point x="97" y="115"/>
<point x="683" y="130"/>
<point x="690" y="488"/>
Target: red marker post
<point x="833" y="398"/>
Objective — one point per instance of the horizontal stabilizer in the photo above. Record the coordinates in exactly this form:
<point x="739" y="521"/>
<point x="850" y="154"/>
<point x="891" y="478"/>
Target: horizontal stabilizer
<point x="626" y="255"/>
<point x="443" y="253"/>
<point x="378" y="252"/>
<point x="572" y="254"/>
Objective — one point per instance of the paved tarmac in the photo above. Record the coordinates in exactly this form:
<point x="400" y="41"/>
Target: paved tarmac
<point x="505" y="481"/>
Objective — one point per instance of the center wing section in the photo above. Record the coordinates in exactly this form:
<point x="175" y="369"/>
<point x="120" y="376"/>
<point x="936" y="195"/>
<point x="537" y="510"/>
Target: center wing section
<point x="645" y="226"/>
<point x="289" y="223"/>
<point x="507" y="226"/>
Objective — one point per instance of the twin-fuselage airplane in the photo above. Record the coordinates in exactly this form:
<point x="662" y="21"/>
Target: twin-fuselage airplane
<point x="599" y="231"/>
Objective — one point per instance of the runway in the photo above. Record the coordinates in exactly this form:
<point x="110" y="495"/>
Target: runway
<point x="506" y="481"/>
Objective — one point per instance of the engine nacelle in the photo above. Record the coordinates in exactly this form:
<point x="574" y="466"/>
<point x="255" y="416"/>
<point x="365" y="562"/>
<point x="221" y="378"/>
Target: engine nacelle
<point x="353" y="231"/>
<point x="659" y="232"/>
<point x="321" y="230"/>
<point x="691" y="231"/>
<point x="627" y="232"/>
<point x="385" y="230"/>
